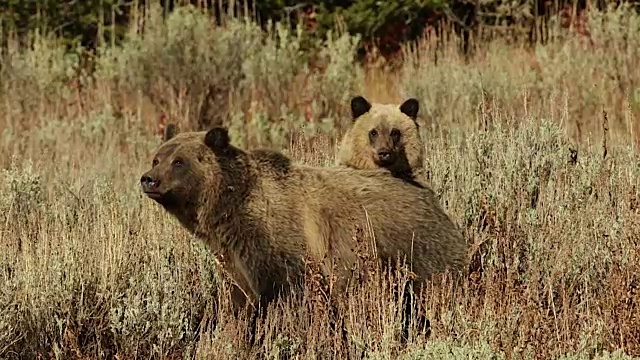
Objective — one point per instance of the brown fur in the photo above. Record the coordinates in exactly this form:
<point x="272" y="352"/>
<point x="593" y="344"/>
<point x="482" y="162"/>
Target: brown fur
<point x="383" y="129"/>
<point x="262" y="215"/>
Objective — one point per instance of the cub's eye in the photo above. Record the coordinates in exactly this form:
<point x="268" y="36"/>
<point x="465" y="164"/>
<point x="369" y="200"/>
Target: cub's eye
<point x="155" y="162"/>
<point x="395" y="134"/>
<point x="177" y="162"/>
<point x="373" y="133"/>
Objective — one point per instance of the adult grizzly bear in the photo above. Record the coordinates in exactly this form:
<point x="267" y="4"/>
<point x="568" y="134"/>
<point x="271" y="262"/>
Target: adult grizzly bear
<point x="384" y="136"/>
<point x="262" y="215"/>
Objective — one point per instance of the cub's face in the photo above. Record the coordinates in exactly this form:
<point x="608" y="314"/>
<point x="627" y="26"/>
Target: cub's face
<point x="390" y="132"/>
<point x="177" y="171"/>
<point x="385" y="143"/>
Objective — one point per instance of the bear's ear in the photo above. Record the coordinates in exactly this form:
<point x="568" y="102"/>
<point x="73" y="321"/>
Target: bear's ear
<point x="169" y="132"/>
<point x="410" y="108"/>
<point x="359" y="106"/>
<point x="217" y="139"/>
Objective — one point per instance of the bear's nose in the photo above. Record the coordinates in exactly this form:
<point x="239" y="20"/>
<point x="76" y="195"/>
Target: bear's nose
<point x="384" y="155"/>
<point x="147" y="182"/>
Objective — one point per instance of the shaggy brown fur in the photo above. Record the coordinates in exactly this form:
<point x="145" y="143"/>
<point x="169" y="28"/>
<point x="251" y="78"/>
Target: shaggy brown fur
<point x="263" y="215"/>
<point x="383" y="136"/>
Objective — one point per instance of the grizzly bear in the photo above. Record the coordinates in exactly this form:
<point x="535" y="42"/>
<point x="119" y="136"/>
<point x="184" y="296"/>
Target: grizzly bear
<point x="263" y="215"/>
<point x="384" y="136"/>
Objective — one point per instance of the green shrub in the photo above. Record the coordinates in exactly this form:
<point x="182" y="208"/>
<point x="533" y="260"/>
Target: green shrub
<point x="236" y="75"/>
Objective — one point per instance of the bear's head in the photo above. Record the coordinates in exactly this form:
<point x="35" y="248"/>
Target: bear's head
<point x="188" y="169"/>
<point x="388" y="134"/>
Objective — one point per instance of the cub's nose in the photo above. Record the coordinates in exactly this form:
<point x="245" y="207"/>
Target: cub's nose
<point x="384" y="155"/>
<point x="147" y="182"/>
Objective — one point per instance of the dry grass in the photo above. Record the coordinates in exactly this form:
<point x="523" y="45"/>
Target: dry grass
<point x="89" y="268"/>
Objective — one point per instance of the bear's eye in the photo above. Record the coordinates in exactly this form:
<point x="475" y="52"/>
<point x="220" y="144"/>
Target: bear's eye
<point x="395" y="134"/>
<point x="178" y="162"/>
<point x="155" y="162"/>
<point x="373" y="133"/>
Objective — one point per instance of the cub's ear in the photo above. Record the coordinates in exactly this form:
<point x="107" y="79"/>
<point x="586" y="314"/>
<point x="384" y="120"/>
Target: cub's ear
<point x="359" y="106"/>
<point x="217" y="139"/>
<point x="410" y="108"/>
<point x="169" y="132"/>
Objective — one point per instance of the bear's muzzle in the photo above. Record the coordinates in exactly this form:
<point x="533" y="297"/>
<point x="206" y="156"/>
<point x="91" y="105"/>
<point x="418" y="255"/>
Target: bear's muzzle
<point x="150" y="186"/>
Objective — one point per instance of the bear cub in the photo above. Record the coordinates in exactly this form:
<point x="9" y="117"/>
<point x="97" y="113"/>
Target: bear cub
<point x="383" y="136"/>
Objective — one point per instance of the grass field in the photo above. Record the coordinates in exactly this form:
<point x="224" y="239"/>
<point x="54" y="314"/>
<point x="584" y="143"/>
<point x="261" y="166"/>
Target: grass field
<point x="533" y="152"/>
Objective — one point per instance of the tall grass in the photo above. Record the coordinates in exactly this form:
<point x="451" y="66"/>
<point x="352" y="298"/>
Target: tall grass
<point x="542" y="181"/>
<point x="570" y="81"/>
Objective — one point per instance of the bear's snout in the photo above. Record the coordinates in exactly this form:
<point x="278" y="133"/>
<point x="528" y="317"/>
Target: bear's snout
<point x="149" y="184"/>
<point x="385" y="156"/>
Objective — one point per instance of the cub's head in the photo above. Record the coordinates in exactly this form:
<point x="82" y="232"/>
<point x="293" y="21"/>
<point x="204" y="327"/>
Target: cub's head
<point x="186" y="169"/>
<point x="383" y="136"/>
